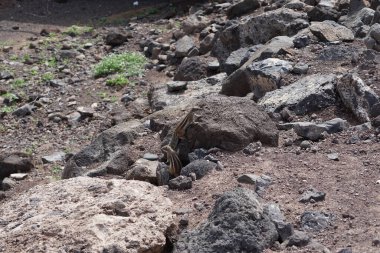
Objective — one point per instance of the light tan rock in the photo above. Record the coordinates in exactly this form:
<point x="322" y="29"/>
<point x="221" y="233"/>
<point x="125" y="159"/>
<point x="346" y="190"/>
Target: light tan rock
<point x="87" y="215"/>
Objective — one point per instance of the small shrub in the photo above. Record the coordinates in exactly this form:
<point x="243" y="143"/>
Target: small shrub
<point x="48" y="76"/>
<point x="18" y="83"/>
<point x="118" y="80"/>
<point x="10" y="96"/>
<point x="7" y="109"/>
<point x="131" y="63"/>
<point x="75" y="30"/>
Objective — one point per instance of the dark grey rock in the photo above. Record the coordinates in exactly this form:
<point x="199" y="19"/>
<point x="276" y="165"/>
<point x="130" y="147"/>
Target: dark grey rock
<point x="258" y="30"/>
<point x="24" y="110"/>
<point x="191" y="69"/>
<point x="301" y="41"/>
<point x="85" y="112"/>
<point x="242" y="7"/>
<point x="284" y="230"/>
<point x="237" y="223"/>
<point x="347" y="250"/>
<point x="207" y="43"/>
<point x="56" y="83"/>
<point x="266" y="75"/>
<point x="67" y="54"/>
<point x="274" y="213"/>
<point x="234" y="61"/>
<point x="315" y="221"/>
<point x="239" y="82"/>
<point x="237" y="123"/>
<point x="252" y="148"/>
<point x="14" y="162"/>
<point x="308" y="94"/>
<point x="312" y="195"/>
<point x="338" y="52"/>
<point x="299" y="239"/>
<point x="195" y="23"/>
<point x="181" y="183"/>
<point x="200" y="167"/>
<point x="198" y="153"/>
<point x="8" y="184"/>
<point x="5" y="75"/>
<point x="115" y="39"/>
<point x="322" y="12"/>
<point x="73" y="118"/>
<point x="176" y="86"/>
<point x="162" y="174"/>
<point x="357" y="96"/>
<point x="305" y="144"/>
<point x="300" y="68"/>
<point x="316" y="132"/>
<point x="357" y="18"/>
<point x="372" y="40"/>
<point x="184" y="46"/>
<point x="119" y="162"/>
<point x="102" y="147"/>
<point x="260" y="182"/>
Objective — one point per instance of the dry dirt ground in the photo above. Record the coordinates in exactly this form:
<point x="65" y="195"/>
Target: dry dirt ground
<point x="352" y="195"/>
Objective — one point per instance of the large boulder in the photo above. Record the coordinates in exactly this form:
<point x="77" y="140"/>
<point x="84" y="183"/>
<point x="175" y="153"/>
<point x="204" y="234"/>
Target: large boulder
<point x="372" y="41"/>
<point x="239" y="83"/>
<point x="237" y="223"/>
<point x="258" y="30"/>
<point x="242" y="7"/>
<point x="230" y="123"/>
<point x="184" y="46"/>
<point x="261" y="76"/>
<point x="13" y="163"/>
<point x="313" y="131"/>
<point x="195" y="24"/>
<point x="161" y="97"/>
<point x="87" y="215"/>
<point x="331" y="31"/>
<point x="308" y="94"/>
<point x="102" y="148"/>
<point x="191" y="69"/>
<point x="357" y="96"/>
<point x="235" y="60"/>
<point x="357" y="20"/>
<point x="266" y="75"/>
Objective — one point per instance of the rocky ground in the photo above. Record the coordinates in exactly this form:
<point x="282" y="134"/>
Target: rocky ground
<point x="282" y="154"/>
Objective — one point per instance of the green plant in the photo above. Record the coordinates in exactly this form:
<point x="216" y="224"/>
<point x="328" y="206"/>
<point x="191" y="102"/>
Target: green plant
<point x="56" y="170"/>
<point x="152" y="11"/>
<point x="10" y="96"/>
<point x="33" y="72"/>
<point x="18" y="83"/>
<point x="113" y="99"/>
<point x="48" y="76"/>
<point x="30" y="150"/>
<point x="103" y="94"/>
<point x="26" y="58"/>
<point x="3" y="128"/>
<point x="75" y="30"/>
<point x="13" y="57"/>
<point x="118" y="80"/>
<point x="7" y="109"/>
<point x="132" y="63"/>
<point x="51" y="62"/>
